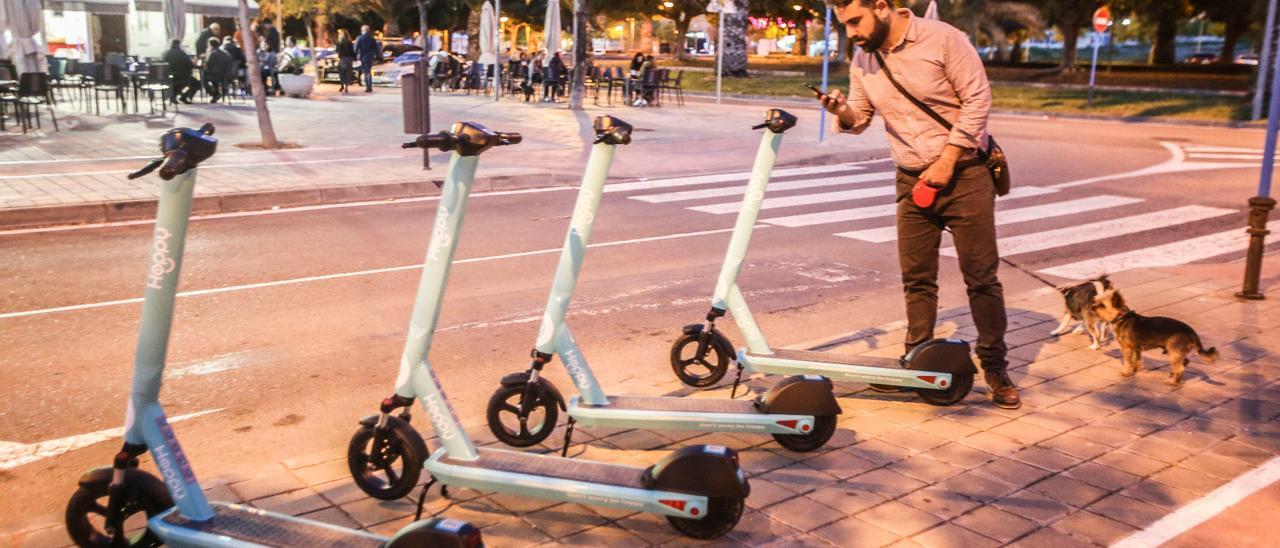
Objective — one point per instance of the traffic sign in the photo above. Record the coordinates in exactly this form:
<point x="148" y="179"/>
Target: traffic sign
<point x="1102" y="19"/>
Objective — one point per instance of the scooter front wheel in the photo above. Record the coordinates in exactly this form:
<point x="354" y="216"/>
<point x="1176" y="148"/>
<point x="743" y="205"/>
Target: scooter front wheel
<point x="86" y="516"/>
<point x="824" y="426"/>
<point x="510" y="427"/>
<point x="699" y="371"/>
<point x="386" y="466"/>
<point x="961" y="383"/>
<point x="722" y="516"/>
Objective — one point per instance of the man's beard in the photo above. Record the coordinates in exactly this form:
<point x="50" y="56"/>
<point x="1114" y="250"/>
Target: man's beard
<point x="878" y="36"/>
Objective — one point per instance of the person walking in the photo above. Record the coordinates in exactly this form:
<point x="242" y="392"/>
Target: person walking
<point x="346" y="50"/>
<point x="214" y="30"/>
<point x="271" y="60"/>
<point x="366" y="51"/>
<point x="217" y="68"/>
<point x="551" y="77"/>
<point x="184" y="85"/>
<point x="936" y="64"/>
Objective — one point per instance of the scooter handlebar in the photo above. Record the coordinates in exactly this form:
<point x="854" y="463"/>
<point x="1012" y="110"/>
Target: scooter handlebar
<point x="505" y="138"/>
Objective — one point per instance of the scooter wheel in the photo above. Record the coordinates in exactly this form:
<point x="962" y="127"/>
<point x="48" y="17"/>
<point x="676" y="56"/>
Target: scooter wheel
<point x="699" y="372"/>
<point x="86" y="516"/>
<point x="823" y="427"/>
<point x="722" y="516"/>
<point x="385" y="467"/>
<point x="961" y="383"/>
<point x="506" y="424"/>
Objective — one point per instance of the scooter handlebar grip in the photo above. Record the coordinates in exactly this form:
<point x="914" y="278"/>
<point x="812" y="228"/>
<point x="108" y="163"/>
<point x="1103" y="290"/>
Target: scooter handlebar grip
<point x="510" y="138"/>
<point x="175" y="163"/>
<point x="410" y="144"/>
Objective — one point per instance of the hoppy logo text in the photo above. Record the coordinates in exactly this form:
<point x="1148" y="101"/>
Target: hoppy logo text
<point x="161" y="262"/>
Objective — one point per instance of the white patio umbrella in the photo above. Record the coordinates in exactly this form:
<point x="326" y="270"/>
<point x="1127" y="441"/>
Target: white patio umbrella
<point x="551" y="27"/>
<point x="488" y="28"/>
<point x="175" y="19"/>
<point x="4" y="27"/>
<point x="26" y="20"/>
<point x="932" y="11"/>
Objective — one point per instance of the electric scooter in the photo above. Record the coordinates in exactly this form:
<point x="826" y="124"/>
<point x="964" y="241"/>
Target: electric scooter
<point x="939" y="370"/>
<point x="700" y="489"/>
<point x="800" y="411"/>
<point x="178" y="514"/>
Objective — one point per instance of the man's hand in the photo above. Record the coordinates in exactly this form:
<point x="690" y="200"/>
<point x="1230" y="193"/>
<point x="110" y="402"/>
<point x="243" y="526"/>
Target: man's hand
<point x="835" y="103"/>
<point x="939" y="173"/>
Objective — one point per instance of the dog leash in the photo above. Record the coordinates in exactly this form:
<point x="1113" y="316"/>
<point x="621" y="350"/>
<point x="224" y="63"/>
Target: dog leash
<point x="1016" y="266"/>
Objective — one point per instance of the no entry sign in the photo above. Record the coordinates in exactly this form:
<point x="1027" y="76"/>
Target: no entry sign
<point x="1102" y="19"/>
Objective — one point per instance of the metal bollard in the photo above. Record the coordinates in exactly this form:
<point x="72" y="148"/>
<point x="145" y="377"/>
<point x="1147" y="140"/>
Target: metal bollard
<point x="1259" y="209"/>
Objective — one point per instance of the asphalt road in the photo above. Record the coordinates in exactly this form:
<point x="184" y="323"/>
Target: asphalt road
<point x="290" y="367"/>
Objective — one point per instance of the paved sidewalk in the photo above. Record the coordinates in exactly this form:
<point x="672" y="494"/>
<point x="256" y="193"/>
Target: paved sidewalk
<point x="351" y="151"/>
<point x="1090" y="458"/>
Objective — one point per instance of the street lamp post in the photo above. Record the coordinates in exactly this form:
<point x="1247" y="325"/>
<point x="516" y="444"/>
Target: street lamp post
<point x="1260" y="206"/>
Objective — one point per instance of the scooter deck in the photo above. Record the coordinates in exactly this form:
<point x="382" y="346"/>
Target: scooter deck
<point x="685" y="405"/>
<point x="533" y="464"/>
<point x="252" y="525"/>
<point x="828" y="357"/>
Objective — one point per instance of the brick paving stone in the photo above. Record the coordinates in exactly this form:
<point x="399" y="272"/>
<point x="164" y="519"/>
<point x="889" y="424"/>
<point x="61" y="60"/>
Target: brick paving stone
<point x="1131" y="423"/>
<point x="803" y="514"/>
<point x="953" y="536"/>
<point x="869" y="426"/>
<point x="1012" y="472"/>
<point x="323" y="472"/>
<point x="653" y="529"/>
<point x="994" y="523"/>
<point x="293" y="503"/>
<point x="977" y="486"/>
<point x="1048" y="538"/>
<point x="1105" y="434"/>
<point x="1159" y="449"/>
<point x="906" y="416"/>
<point x="1188" y="479"/>
<point x="333" y="516"/>
<point x="856" y="532"/>
<point x="1105" y="477"/>
<point x="939" y="502"/>
<point x="1127" y="510"/>
<point x="519" y="505"/>
<point x="1215" y="466"/>
<point x="1241" y="452"/>
<point x="993" y="443"/>
<point x="758" y="528"/>
<point x="1159" y="494"/>
<point x="264" y="486"/>
<point x="885" y="482"/>
<point x="1093" y="528"/>
<point x="1076" y="446"/>
<point x="906" y="543"/>
<point x="1191" y="441"/>
<point x="765" y="492"/>
<point x="899" y="518"/>
<point x="957" y="454"/>
<point x="42" y="538"/>
<point x="925" y="469"/>
<point x="1080" y="410"/>
<point x="513" y="532"/>
<point x="977" y="417"/>
<point x="758" y="462"/>
<point x="843" y="497"/>
<point x="1053" y="420"/>
<point x="1024" y="432"/>
<point x="565" y="519"/>
<point x="801" y="479"/>
<point x="841" y="463"/>
<point x="1033" y="506"/>
<point x="1133" y="463"/>
<point x="880" y="452"/>
<point x="339" y="491"/>
<point x="1068" y="490"/>
<point x="369" y="511"/>
<point x="913" y="439"/>
<point x="948" y="429"/>
<point x="1045" y="458"/>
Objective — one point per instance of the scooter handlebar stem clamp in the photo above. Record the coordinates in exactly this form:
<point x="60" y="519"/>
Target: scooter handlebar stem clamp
<point x="183" y="148"/>
<point x="612" y="131"/>
<point x="777" y="120"/>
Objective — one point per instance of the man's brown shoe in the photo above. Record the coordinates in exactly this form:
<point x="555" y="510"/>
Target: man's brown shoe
<point x="1003" y="393"/>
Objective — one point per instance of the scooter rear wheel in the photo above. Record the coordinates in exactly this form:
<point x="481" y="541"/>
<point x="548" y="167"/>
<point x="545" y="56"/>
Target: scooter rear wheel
<point x="824" y="426"/>
<point x="699" y="372"/>
<point x="722" y="516"/>
<point x="961" y="383"/>
<point x="504" y="409"/>
<point x="86" y="513"/>
<point x="385" y="467"/>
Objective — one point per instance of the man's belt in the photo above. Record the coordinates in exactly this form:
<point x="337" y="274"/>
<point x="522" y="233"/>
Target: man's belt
<point x="962" y="164"/>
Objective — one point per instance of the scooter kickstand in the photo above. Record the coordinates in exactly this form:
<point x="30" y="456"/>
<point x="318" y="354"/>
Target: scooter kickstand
<point x="733" y="392"/>
<point x="422" y="497"/>
<point x="568" y="435"/>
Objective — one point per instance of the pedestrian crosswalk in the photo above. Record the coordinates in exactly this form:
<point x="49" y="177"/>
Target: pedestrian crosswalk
<point x="856" y="201"/>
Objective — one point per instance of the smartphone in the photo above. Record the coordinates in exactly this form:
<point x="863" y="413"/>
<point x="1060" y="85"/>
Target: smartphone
<point x="817" y="92"/>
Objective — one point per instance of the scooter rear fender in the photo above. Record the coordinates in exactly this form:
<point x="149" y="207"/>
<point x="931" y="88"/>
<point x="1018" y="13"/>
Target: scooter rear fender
<point x="800" y="395"/>
<point x="942" y="355"/>
<point x="706" y="470"/>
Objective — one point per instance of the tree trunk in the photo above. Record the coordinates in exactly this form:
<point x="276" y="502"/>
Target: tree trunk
<point x="1070" y="36"/>
<point x="322" y="30"/>
<point x="646" y="35"/>
<point x="1000" y="42"/>
<point x="423" y="7"/>
<point x="802" y="38"/>
<point x="842" y="42"/>
<point x="473" y="35"/>
<point x="580" y="39"/>
<point x="1015" y="52"/>
<point x="311" y="42"/>
<point x="1163" y="49"/>
<point x="682" y="30"/>
<point x="1235" y="29"/>
<point x="250" y="46"/>
<point x="391" y="27"/>
<point x="735" y="40"/>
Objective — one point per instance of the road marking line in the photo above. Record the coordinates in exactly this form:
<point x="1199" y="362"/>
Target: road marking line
<point x="1213" y="148"/>
<point x="803" y="199"/>
<point x="1201" y="510"/>
<point x="369" y="272"/>
<point x="731" y="177"/>
<point x="1170" y="254"/>
<point x="775" y="187"/>
<point x="298" y="209"/>
<point x="1110" y="228"/>
<point x="154" y="156"/>
<point x="253" y="165"/>
<point x="1004" y="216"/>
<point x="883" y="210"/>
<point x="14" y="454"/>
<point x="1257" y="157"/>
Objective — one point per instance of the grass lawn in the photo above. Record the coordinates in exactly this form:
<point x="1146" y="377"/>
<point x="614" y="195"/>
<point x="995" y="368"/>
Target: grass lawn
<point x="1108" y="103"/>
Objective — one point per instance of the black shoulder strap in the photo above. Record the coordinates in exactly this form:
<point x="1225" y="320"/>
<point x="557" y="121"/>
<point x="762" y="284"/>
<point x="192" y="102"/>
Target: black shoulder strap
<point x="937" y="117"/>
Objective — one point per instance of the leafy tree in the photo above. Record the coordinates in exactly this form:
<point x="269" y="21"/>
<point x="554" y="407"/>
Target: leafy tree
<point x="1167" y="16"/>
<point x="1069" y="16"/>
<point x="1237" y="16"/>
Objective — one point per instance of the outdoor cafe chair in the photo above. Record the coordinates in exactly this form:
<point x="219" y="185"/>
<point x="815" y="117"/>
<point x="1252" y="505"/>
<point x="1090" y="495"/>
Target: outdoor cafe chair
<point x="159" y="83"/>
<point x="108" y="79"/>
<point x="7" y="98"/>
<point x="675" y="87"/>
<point x="33" y="91"/>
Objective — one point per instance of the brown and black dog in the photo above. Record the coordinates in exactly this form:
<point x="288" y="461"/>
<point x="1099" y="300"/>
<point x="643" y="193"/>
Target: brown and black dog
<point x="1135" y="333"/>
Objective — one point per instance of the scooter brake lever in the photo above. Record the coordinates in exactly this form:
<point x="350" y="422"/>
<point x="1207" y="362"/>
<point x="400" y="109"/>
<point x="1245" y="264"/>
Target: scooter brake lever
<point x="760" y="126"/>
<point x="148" y="169"/>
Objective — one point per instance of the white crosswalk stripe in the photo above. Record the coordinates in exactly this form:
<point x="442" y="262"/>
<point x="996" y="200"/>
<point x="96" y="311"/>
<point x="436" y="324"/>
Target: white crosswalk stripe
<point x="1110" y="228"/>
<point x="1224" y="156"/>
<point x="1211" y="148"/>
<point x="1170" y="254"/>
<point x="879" y="176"/>
<point x="882" y="210"/>
<point x="804" y="199"/>
<point x="726" y="178"/>
<point x="1010" y="216"/>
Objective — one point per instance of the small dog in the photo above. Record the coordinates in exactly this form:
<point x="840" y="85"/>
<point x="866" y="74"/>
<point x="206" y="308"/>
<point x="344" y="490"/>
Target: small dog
<point x="1135" y="333"/>
<point x="1079" y="301"/>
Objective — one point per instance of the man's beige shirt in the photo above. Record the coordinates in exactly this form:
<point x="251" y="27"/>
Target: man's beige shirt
<point x="938" y="65"/>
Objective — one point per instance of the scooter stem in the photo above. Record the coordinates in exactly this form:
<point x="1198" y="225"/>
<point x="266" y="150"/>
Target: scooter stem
<point x="766" y="155"/>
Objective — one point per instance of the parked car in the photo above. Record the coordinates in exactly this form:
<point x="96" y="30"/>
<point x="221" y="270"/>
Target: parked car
<point x="1247" y="59"/>
<point x="1200" y="58"/>
<point x="395" y="46"/>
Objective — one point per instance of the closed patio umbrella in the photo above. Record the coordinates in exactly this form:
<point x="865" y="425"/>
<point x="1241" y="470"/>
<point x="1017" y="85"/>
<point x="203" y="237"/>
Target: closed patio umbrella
<point x="932" y="11"/>
<point x="488" y="28"/>
<point x="551" y="27"/>
<point x="26" y="21"/>
<point x="175" y="19"/>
